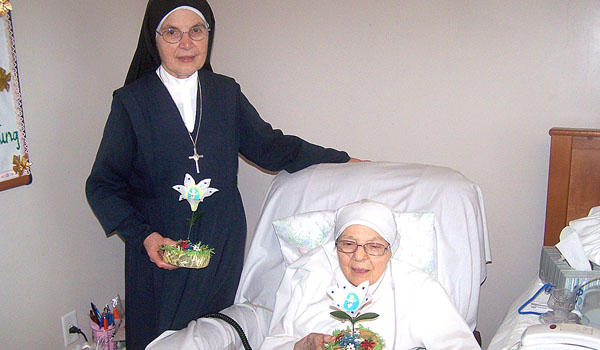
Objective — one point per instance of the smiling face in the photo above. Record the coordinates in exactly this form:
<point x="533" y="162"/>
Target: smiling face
<point x="359" y="266"/>
<point x="184" y="58"/>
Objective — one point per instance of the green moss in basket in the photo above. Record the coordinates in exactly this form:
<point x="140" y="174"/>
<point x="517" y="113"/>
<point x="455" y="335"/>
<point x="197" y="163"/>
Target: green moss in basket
<point x="186" y="246"/>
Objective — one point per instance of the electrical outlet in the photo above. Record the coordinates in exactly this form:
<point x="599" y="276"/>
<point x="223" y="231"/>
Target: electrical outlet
<point x="68" y="321"/>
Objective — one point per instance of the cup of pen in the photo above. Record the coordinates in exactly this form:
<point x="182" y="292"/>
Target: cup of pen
<point x="103" y="337"/>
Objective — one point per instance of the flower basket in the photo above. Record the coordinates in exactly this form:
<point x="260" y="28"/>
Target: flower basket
<point x="184" y="254"/>
<point x="362" y="339"/>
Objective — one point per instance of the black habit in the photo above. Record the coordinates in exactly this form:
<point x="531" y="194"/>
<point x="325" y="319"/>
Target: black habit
<point x="143" y="153"/>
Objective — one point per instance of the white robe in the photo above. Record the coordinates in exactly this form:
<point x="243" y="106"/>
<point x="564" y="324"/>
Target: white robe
<point x="417" y="313"/>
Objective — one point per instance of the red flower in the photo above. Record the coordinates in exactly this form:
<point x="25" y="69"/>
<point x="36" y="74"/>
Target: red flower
<point x="339" y="336"/>
<point x="184" y="244"/>
<point x="367" y="344"/>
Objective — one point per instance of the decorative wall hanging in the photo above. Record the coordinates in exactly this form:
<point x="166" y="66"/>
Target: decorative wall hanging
<point x="14" y="158"/>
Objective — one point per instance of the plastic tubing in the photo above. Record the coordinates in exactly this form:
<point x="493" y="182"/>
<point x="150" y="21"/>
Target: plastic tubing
<point x="546" y="288"/>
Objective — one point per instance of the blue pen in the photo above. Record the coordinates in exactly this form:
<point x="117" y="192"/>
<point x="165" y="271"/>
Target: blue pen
<point x="95" y="310"/>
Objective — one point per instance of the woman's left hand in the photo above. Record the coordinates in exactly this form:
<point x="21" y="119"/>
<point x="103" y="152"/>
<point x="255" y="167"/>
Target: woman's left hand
<point x="313" y="341"/>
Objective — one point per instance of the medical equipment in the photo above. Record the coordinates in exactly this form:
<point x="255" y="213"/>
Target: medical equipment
<point x="562" y="302"/>
<point x="563" y="336"/>
<point x="589" y="304"/>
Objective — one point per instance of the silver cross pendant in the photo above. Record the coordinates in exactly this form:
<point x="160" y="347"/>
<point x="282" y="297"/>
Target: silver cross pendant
<point x="196" y="157"/>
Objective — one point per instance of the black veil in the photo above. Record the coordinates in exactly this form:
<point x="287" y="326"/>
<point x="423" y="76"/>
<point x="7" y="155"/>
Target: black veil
<point x="146" y="56"/>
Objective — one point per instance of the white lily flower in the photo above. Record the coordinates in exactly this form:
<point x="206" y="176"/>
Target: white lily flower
<point x="349" y="298"/>
<point x="194" y="193"/>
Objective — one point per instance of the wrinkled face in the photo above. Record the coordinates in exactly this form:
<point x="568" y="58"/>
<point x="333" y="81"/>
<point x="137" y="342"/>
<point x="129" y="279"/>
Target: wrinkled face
<point x="359" y="266"/>
<point x="184" y="58"/>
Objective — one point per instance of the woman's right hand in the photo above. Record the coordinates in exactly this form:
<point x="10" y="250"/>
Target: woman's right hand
<point x="313" y="341"/>
<point x="152" y="244"/>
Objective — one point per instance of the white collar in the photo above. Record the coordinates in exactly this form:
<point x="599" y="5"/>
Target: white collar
<point x="170" y="80"/>
<point x="183" y="92"/>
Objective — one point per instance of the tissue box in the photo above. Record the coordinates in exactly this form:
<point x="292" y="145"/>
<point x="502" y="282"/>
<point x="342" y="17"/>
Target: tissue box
<point x="555" y="270"/>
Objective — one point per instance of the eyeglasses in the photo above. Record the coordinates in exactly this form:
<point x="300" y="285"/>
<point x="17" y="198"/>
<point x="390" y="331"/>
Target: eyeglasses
<point x="174" y="35"/>
<point x="373" y="249"/>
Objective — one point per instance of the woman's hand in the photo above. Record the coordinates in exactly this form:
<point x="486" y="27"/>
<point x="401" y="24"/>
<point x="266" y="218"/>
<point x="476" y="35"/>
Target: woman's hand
<point x="152" y="244"/>
<point x="313" y="341"/>
<point x="355" y="160"/>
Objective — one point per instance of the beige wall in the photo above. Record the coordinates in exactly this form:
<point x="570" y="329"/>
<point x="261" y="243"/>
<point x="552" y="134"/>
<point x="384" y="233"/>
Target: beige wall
<point x="466" y="84"/>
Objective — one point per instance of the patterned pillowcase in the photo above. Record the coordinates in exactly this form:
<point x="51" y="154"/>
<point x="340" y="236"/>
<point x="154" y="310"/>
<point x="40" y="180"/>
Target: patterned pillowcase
<point x="300" y="233"/>
<point x="418" y="244"/>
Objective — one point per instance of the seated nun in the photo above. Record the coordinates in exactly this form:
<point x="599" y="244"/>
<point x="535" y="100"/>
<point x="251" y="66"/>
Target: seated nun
<point x="410" y="308"/>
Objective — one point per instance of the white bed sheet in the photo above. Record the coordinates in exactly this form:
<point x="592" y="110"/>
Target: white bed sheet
<point x="460" y="224"/>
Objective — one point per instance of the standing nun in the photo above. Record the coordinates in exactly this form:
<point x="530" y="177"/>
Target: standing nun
<point x="173" y="117"/>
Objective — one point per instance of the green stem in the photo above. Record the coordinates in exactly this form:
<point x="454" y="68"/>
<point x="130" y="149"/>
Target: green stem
<point x="191" y="224"/>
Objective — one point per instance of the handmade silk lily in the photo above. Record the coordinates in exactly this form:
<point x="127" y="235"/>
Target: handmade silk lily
<point x="348" y="298"/>
<point x="194" y="193"/>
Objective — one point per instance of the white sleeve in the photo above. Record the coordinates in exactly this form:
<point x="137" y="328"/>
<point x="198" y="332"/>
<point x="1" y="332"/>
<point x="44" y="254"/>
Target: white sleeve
<point x="299" y="304"/>
<point x="201" y="334"/>
<point x="287" y="301"/>
<point x="214" y="334"/>
<point x="438" y="323"/>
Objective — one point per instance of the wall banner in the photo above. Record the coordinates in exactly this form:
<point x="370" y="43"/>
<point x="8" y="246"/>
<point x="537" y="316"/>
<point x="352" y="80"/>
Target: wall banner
<point x="14" y="158"/>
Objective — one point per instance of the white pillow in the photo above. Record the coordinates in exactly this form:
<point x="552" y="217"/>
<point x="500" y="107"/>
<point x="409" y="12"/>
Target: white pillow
<point x="300" y="233"/>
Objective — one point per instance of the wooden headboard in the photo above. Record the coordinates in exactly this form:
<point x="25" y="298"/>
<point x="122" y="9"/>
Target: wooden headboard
<point x="573" y="178"/>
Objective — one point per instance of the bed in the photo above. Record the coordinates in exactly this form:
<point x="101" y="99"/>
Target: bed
<point x="573" y="189"/>
<point x="460" y="239"/>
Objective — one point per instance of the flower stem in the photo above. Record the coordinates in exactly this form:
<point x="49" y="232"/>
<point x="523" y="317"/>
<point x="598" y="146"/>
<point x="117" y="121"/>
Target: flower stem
<point x="191" y="224"/>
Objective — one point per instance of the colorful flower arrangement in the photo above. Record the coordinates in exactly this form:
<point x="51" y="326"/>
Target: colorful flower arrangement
<point x="185" y="253"/>
<point x="361" y="339"/>
<point x="349" y="300"/>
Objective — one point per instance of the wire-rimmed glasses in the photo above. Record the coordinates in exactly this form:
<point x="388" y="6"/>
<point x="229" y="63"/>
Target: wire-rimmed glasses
<point x="373" y="249"/>
<point x="174" y="35"/>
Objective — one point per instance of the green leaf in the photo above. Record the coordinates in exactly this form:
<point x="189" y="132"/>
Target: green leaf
<point x="195" y="217"/>
<point x="341" y="315"/>
<point x="367" y="316"/>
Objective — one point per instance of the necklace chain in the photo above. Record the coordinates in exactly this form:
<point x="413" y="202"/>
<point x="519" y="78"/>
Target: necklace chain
<point x="196" y="157"/>
<point x="199" y="118"/>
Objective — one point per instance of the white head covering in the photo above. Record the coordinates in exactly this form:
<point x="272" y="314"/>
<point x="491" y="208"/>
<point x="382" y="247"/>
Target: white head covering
<point x="377" y="216"/>
<point x="182" y="8"/>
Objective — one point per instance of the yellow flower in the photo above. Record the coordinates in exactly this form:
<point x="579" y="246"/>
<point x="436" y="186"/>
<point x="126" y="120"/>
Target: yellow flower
<point x="5" y="7"/>
<point x="4" y="80"/>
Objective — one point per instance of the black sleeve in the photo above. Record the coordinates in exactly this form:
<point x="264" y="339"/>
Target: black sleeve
<point x="274" y="151"/>
<point x="108" y="188"/>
